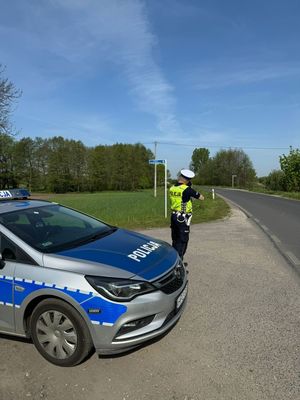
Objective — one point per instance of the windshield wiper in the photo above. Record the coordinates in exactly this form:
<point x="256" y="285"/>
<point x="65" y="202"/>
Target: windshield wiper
<point x="79" y="242"/>
<point x="96" y="236"/>
<point x="93" y="237"/>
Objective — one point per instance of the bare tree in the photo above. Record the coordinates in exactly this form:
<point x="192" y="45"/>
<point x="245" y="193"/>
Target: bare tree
<point x="8" y="94"/>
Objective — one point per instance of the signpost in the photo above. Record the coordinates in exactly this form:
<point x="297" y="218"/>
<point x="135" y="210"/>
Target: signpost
<point x="232" y="180"/>
<point x="164" y="162"/>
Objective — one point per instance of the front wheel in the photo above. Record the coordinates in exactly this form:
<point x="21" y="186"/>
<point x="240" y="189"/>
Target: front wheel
<point x="59" y="333"/>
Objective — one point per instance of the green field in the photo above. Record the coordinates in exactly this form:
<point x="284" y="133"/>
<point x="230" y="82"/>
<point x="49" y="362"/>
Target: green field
<point x="136" y="210"/>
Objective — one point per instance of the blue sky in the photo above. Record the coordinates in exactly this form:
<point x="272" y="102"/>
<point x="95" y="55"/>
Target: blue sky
<point x="209" y="73"/>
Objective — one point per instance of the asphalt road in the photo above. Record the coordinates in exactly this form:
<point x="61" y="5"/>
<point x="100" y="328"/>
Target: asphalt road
<point x="279" y="217"/>
<point x="238" y="338"/>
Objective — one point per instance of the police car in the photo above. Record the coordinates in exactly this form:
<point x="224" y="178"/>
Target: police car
<point x="72" y="283"/>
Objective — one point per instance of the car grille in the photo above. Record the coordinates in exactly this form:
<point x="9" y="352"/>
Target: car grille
<point x="172" y="281"/>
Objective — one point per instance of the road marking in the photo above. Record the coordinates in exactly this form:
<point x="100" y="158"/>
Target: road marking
<point x="275" y="239"/>
<point x="293" y="258"/>
<point x="264" y="227"/>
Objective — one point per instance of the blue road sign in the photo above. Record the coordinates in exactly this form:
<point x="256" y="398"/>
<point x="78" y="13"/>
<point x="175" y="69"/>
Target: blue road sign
<point x="157" y="161"/>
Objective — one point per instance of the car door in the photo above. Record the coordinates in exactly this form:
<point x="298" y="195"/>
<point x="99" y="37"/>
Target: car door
<point x="15" y="270"/>
<point x="7" y="270"/>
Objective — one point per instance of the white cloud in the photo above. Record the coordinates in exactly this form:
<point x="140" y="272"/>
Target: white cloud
<point x="83" y="38"/>
<point x="239" y="73"/>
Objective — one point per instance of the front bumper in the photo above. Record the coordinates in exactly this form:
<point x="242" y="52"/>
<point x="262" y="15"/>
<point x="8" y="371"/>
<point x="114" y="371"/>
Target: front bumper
<point x="161" y="306"/>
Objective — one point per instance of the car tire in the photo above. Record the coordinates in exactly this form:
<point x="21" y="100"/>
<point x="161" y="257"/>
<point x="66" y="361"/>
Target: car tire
<point x="59" y="333"/>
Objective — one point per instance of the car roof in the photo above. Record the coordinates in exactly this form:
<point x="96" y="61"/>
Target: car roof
<point x="17" y="205"/>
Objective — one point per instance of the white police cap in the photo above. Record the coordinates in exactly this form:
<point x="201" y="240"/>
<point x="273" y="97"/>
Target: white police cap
<point x="188" y="174"/>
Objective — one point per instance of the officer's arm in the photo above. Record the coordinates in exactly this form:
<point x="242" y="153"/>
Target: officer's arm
<point x="196" y="195"/>
<point x="200" y="196"/>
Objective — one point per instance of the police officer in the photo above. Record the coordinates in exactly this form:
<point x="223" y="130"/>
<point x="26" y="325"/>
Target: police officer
<point x="181" y="207"/>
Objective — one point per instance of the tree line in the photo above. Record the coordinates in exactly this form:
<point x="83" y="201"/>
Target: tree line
<point x="287" y="178"/>
<point x="234" y="166"/>
<point x="225" y="168"/>
<point x="64" y="165"/>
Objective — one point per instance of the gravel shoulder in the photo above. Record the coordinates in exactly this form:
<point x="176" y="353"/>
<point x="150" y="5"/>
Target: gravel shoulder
<point x="238" y="338"/>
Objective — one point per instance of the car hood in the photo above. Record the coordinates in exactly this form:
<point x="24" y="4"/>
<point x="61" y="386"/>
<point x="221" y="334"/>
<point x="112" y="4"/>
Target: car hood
<point x="121" y="254"/>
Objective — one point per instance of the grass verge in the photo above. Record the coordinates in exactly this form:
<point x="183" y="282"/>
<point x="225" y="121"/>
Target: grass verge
<point x="136" y="210"/>
<point x="261" y="189"/>
<point x="289" y="195"/>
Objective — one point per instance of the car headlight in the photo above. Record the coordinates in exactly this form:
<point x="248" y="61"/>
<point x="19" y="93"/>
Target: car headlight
<point x="119" y="289"/>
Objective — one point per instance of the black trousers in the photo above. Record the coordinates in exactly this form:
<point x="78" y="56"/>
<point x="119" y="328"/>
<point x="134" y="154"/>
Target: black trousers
<point x="180" y="232"/>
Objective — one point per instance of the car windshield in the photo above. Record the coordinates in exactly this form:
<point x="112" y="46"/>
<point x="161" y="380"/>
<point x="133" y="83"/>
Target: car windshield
<point x="54" y="228"/>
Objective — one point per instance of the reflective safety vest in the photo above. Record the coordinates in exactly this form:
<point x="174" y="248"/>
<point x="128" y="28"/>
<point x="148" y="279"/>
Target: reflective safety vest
<point x="176" y="199"/>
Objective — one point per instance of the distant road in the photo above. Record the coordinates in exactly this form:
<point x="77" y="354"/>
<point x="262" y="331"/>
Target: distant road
<point x="279" y="217"/>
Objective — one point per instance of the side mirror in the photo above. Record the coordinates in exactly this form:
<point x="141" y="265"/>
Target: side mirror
<point x="2" y="262"/>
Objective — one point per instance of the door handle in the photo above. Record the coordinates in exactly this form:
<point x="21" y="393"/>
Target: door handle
<point x="19" y="288"/>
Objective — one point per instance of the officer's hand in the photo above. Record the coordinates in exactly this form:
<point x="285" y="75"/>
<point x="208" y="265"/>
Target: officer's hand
<point x="201" y="197"/>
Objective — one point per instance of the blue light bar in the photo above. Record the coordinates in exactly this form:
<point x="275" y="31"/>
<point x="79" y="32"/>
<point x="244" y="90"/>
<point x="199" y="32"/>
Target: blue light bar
<point x="14" y="194"/>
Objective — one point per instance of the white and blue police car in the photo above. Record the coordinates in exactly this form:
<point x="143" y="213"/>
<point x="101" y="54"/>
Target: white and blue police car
<point x="72" y="283"/>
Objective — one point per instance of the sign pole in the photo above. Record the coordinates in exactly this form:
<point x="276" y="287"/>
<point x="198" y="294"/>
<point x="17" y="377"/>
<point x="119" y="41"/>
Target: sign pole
<point x="166" y="190"/>
<point x="166" y="181"/>
<point x="155" y="170"/>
